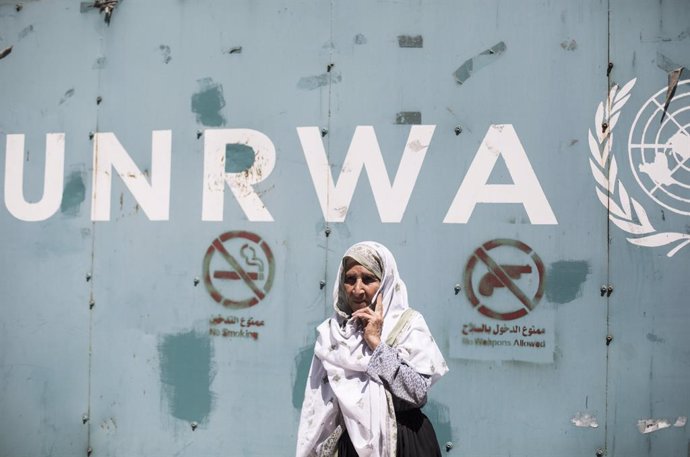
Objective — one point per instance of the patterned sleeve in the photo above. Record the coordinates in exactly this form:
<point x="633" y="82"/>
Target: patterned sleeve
<point x="387" y="368"/>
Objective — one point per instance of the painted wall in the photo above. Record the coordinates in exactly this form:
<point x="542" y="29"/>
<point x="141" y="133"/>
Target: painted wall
<point x="180" y="180"/>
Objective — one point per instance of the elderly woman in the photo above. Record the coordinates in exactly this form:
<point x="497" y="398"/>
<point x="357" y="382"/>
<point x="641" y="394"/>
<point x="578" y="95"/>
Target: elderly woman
<point x="374" y="361"/>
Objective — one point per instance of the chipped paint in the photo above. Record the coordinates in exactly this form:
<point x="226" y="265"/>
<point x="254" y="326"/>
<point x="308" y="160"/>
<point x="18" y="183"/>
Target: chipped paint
<point x="410" y="41"/>
<point x="569" y="45"/>
<point x="565" y="279"/>
<point x="238" y="157"/>
<point x="476" y="63"/>
<point x="5" y="52"/>
<point x="186" y="372"/>
<point x="408" y="118"/>
<point x="165" y="53"/>
<point x="584" y="420"/>
<point x="314" y="82"/>
<point x="73" y="195"/>
<point x="208" y="102"/>
<point x="652" y="425"/>
<point x="300" y="374"/>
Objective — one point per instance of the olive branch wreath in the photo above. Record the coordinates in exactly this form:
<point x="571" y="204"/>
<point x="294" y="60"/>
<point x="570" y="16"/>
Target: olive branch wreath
<point x="624" y="211"/>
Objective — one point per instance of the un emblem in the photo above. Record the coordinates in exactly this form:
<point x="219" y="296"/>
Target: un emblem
<point x="659" y="149"/>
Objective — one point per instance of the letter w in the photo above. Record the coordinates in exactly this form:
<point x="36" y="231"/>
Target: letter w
<point x="364" y="151"/>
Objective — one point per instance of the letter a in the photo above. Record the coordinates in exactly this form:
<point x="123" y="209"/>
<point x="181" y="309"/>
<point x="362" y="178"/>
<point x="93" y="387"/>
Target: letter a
<point x="500" y="140"/>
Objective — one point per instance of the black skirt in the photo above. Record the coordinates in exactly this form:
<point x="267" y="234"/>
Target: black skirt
<point x="416" y="437"/>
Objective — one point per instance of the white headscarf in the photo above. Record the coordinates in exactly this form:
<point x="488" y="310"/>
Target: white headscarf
<point x="339" y="392"/>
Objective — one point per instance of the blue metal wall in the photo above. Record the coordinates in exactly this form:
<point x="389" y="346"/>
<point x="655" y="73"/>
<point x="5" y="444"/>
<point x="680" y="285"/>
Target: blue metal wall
<point x="131" y="336"/>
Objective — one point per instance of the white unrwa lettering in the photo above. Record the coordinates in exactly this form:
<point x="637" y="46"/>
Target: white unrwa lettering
<point x="108" y="154"/>
<point x="364" y="151"/>
<point x="215" y="177"/>
<point x="500" y="140"/>
<point x="52" y="179"/>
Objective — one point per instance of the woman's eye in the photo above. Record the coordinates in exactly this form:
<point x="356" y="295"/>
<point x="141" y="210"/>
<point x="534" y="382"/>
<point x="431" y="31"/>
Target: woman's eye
<point x="350" y="280"/>
<point x="369" y="279"/>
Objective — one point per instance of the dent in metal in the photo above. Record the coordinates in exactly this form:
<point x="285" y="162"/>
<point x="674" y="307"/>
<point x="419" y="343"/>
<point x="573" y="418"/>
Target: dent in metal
<point x="484" y="58"/>
<point x="410" y="41"/>
<point x="208" y="102"/>
<point x="566" y="278"/>
<point x="584" y="420"/>
<point x="314" y="82"/>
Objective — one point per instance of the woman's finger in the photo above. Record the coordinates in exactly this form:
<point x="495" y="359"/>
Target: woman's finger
<point x="379" y="305"/>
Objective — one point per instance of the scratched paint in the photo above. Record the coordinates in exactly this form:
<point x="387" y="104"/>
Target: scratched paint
<point x="564" y="280"/>
<point x="439" y="415"/>
<point x="666" y="64"/>
<point x="208" y="102"/>
<point x="186" y="372"/>
<point x="238" y="158"/>
<point x="68" y="94"/>
<point x="300" y="374"/>
<point x="481" y="60"/>
<point x="73" y="194"/>
<point x="314" y="82"/>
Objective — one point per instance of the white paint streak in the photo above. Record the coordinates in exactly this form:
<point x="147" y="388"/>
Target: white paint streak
<point x="652" y="425"/>
<point x="584" y="420"/>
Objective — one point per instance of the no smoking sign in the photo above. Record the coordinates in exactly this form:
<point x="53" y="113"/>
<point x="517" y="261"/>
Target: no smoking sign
<point x="238" y="269"/>
<point x="504" y="279"/>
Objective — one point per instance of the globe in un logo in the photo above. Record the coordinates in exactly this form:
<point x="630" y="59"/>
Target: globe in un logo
<point x="659" y="149"/>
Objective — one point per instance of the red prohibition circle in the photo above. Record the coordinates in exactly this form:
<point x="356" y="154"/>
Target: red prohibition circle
<point x="482" y="254"/>
<point x="259" y="292"/>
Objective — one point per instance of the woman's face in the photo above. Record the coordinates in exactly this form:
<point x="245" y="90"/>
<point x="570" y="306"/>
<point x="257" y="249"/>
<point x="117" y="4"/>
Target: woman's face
<point x="360" y="286"/>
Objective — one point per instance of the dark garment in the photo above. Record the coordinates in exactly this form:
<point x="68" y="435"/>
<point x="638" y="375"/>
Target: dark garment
<point x="416" y="437"/>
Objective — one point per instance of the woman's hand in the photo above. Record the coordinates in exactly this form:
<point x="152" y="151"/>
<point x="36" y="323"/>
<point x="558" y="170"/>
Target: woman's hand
<point x="372" y="321"/>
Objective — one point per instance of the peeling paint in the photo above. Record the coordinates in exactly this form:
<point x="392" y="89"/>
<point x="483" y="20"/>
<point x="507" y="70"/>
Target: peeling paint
<point x="186" y="375"/>
<point x="476" y="63"/>
<point x="165" y="52"/>
<point x="652" y="425"/>
<point x="68" y="94"/>
<point x="360" y="39"/>
<point x="673" y="77"/>
<point x="584" y="420"/>
<point x="300" y="375"/>
<point x="410" y="41"/>
<point x="569" y="45"/>
<point x="238" y="158"/>
<point x="314" y="82"/>
<point x="208" y="102"/>
<point x="564" y="280"/>
<point x="408" y="118"/>
<point x="73" y="194"/>
<point x="439" y="415"/>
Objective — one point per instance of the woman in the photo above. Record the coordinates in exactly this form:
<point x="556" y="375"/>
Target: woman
<point x="374" y="361"/>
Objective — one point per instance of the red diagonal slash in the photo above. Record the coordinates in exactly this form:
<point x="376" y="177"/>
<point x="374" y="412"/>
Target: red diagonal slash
<point x="238" y="268"/>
